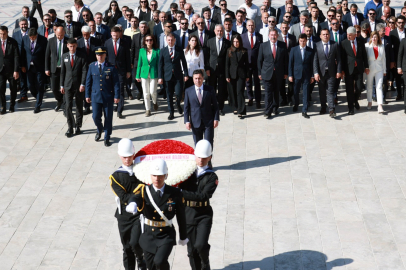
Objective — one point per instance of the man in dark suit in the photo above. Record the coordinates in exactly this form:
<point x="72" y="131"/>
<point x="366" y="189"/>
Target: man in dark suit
<point x="252" y="40"/>
<point x="301" y="72"/>
<point x="33" y="49"/>
<point x="72" y="29"/>
<point x="80" y="7"/>
<point x="354" y="63"/>
<point x="213" y="8"/>
<point x="401" y="64"/>
<point x="201" y="109"/>
<point x="46" y="29"/>
<point x="331" y="14"/>
<point x="118" y="54"/>
<point x="36" y="5"/>
<point x="53" y="61"/>
<point x="396" y="36"/>
<point x="219" y="14"/>
<point x="159" y="28"/>
<point x="93" y="33"/>
<point x="209" y="22"/>
<point x="343" y="24"/>
<point x="262" y="21"/>
<point x="290" y="42"/>
<point x="32" y="21"/>
<point x="228" y="29"/>
<point x="136" y="45"/>
<point x="373" y="21"/>
<point x="288" y="7"/>
<point x="315" y="20"/>
<point x="327" y="69"/>
<point x="272" y="70"/>
<point x="204" y="35"/>
<point x="171" y="14"/>
<point x="270" y="10"/>
<point x="171" y="59"/>
<point x="54" y="18"/>
<point x="380" y="11"/>
<point x="183" y="34"/>
<point x="125" y="21"/>
<point x="239" y="25"/>
<point x="353" y="17"/>
<point x="18" y="35"/>
<point x="73" y="80"/>
<point x="9" y="67"/>
<point x="320" y="16"/>
<point x="215" y="68"/>
<point x="154" y="21"/>
<point x="100" y="27"/>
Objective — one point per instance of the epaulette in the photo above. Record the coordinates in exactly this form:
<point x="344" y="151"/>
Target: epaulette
<point x="140" y="189"/>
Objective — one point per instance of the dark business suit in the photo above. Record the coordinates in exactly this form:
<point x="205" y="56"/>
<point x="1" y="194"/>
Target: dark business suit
<point x="272" y="71"/>
<point x="104" y="30"/>
<point x="348" y="18"/>
<point x="216" y="65"/>
<point x="9" y="63"/>
<point x="41" y="30"/>
<point x="111" y="21"/>
<point x="124" y="23"/>
<point x="171" y="72"/>
<point x="379" y="12"/>
<point x="81" y="20"/>
<point x="158" y="31"/>
<point x="352" y="72"/>
<point x="302" y="71"/>
<point x="36" y="6"/>
<point x="36" y="71"/>
<point x="212" y="24"/>
<point x="74" y="30"/>
<point x="214" y="11"/>
<point x="327" y="66"/>
<point x="171" y="17"/>
<point x="341" y="35"/>
<point x="201" y="116"/>
<point x="244" y="27"/>
<point x="395" y="40"/>
<point x="217" y="15"/>
<point x="51" y="64"/>
<point x="23" y="76"/>
<point x="253" y="65"/>
<point x="206" y="36"/>
<point x="122" y="62"/>
<point x="33" y="23"/>
<point x="136" y="45"/>
<point x="71" y="80"/>
<point x="236" y="71"/>
<point x="180" y="41"/>
<point x="401" y="63"/>
<point x="281" y="12"/>
<point x="291" y="40"/>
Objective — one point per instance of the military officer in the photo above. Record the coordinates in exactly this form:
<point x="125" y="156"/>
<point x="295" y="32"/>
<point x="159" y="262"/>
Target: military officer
<point x="197" y="191"/>
<point x="123" y="182"/>
<point x="102" y="90"/>
<point x="159" y="203"/>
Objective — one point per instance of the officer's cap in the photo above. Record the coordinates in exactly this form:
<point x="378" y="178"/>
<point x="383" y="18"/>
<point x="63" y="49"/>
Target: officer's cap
<point x="100" y="50"/>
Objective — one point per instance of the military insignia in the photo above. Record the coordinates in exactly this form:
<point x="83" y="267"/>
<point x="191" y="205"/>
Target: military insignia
<point x="170" y="202"/>
<point x="170" y="208"/>
<point x="137" y="192"/>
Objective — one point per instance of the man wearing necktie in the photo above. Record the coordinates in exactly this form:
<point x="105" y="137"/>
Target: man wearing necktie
<point x="301" y="72"/>
<point x="46" y="28"/>
<point x="311" y="41"/>
<point x="183" y="33"/>
<point x="72" y="29"/>
<point x="201" y="113"/>
<point x="353" y="17"/>
<point x="18" y="36"/>
<point x="53" y="60"/>
<point x="327" y="69"/>
<point x="354" y="63"/>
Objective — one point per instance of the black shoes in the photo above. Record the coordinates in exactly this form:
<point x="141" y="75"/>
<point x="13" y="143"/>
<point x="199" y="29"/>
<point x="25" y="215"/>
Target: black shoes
<point x="385" y="102"/>
<point x="258" y="105"/>
<point x="332" y="114"/>
<point x="250" y="102"/>
<point x="305" y="115"/>
<point x="86" y="111"/>
<point x="58" y="106"/>
<point x="295" y="108"/>
<point x="322" y="111"/>
<point x="97" y="136"/>
<point x="351" y="112"/>
<point x="37" y="110"/>
<point x="222" y="113"/>
<point x="180" y="110"/>
<point x="284" y="103"/>
<point x="69" y="133"/>
<point x="356" y="105"/>
<point x="399" y="98"/>
<point x="77" y="131"/>
<point x="11" y="109"/>
<point x="171" y="117"/>
<point x="3" y="111"/>
<point x="107" y="143"/>
<point x="115" y="109"/>
<point x="120" y="115"/>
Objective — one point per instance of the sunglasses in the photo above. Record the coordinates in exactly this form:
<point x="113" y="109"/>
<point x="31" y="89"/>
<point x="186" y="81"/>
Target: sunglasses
<point x="223" y="5"/>
<point x="372" y="14"/>
<point x="168" y="26"/>
<point x="68" y="16"/>
<point x="148" y="40"/>
<point x="184" y="23"/>
<point x="287" y="17"/>
<point x="333" y="23"/>
<point x="271" y="21"/>
<point x="391" y="22"/>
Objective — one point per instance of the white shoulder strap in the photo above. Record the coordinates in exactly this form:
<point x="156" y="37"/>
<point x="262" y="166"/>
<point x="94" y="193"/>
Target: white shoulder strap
<point x="157" y="208"/>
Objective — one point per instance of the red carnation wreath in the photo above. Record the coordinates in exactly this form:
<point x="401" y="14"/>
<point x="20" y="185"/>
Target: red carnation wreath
<point x="178" y="156"/>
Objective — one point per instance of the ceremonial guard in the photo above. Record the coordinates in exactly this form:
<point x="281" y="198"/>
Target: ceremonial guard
<point x="159" y="203"/>
<point x="123" y="182"/>
<point x="102" y="90"/>
<point x="197" y="191"/>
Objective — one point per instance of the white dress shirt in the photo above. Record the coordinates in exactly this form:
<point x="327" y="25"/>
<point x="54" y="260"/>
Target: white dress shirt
<point x="401" y="34"/>
<point x="254" y="37"/>
<point x="161" y="189"/>
<point x="118" y="43"/>
<point x="193" y="61"/>
<point x="354" y="18"/>
<point x="239" y="28"/>
<point x="173" y="50"/>
<point x="201" y="170"/>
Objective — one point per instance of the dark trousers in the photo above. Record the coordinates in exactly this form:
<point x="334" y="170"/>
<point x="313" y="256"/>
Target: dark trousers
<point x="4" y="77"/>
<point x="351" y="80"/>
<point x="69" y="95"/>
<point x="188" y="84"/>
<point x="304" y="82"/>
<point x="203" y="132"/>
<point x="327" y="85"/>
<point x="336" y="86"/>
<point x="282" y="90"/>
<point x="271" y="93"/>
<point x="173" y="86"/>
<point x="36" y="79"/>
<point x="399" y="84"/>
<point x="198" y="247"/>
<point x="253" y="70"/>
<point x="107" y="110"/>
<point x="217" y="80"/>
<point x="56" y="85"/>
<point x="23" y="84"/>
<point x="404" y="90"/>
<point x="122" y="76"/>
<point x="131" y="249"/>
<point x="159" y="260"/>
<point x="236" y="95"/>
<point x="36" y="6"/>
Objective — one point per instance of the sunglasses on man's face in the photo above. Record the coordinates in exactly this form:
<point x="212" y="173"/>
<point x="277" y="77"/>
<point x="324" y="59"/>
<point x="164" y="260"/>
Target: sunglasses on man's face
<point x="287" y="17"/>
<point x="184" y="23"/>
<point x="223" y="5"/>
<point x="271" y="21"/>
<point x="68" y="16"/>
<point x="334" y="23"/>
<point x="148" y="40"/>
<point x="372" y="14"/>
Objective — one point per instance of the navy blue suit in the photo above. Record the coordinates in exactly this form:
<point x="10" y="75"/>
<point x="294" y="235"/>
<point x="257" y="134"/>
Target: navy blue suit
<point x="244" y="27"/>
<point x="102" y="89"/>
<point x="123" y="22"/>
<point x="348" y="18"/>
<point x="201" y="116"/>
<point x="281" y="12"/>
<point x="23" y="76"/>
<point x="104" y="30"/>
<point x="302" y="72"/>
<point x="36" y="71"/>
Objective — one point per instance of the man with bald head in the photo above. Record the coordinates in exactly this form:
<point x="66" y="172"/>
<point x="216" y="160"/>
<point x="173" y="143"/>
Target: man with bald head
<point x="53" y="60"/>
<point x="380" y="11"/>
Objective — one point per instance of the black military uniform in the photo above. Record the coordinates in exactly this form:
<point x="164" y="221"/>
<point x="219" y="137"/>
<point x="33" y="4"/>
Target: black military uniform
<point x="123" y="184"/>
<point x="158" y="239"/>
<point x="197" y="191"/>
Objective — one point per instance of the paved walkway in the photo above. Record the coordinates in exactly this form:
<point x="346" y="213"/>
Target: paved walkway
<point x="293" y="193"/>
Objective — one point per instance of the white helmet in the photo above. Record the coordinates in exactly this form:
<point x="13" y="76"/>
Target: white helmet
<point x="203" y="149"/>
<point x="125" y="148"/>
<point x="158" y="167"/>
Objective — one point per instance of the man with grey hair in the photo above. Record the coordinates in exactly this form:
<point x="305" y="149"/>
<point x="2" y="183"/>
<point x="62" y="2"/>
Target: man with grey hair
<point x="72" y="29"/>
<point x="192" y="24"/>
<point x="188" y="12"/>
<point x="354" y="64"/>
<point x="299" y="28"/>
<point x="32" y="21"/>
<point x="217" y="49"/>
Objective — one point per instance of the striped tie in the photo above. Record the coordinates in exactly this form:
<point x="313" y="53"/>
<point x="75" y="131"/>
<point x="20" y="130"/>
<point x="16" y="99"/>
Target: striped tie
<point x="171" y="53"/>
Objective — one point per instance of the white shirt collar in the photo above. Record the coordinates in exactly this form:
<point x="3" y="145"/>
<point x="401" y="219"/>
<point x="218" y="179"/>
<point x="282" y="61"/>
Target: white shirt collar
<point x="161" y="189"/>
<point x="128" y="169"/>
<point x="200" y="170"/>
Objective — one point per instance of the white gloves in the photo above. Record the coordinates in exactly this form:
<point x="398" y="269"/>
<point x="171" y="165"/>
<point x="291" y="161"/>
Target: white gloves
<point x="183" y="242"/>
<point x="131" y="208"/>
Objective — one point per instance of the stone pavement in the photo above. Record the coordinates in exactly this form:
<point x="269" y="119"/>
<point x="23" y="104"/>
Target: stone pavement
<point x="293" y="193"/>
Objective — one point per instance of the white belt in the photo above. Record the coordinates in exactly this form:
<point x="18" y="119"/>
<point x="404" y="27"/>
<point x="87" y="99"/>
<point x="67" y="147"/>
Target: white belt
<point x="154" y="223"/>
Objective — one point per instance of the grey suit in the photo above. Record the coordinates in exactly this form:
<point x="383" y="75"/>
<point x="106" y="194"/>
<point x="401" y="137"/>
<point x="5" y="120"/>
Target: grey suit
<point x="327" y="66"/>
<point x="296" y="30"/>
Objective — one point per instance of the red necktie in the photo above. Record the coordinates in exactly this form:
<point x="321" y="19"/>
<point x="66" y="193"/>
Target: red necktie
<point x="46" y="32"/>
<point x="355" y="52"/>
<point x="115" y="48"/>
<point x="286" y="42"/>
<point x="274" y="51"/>
<point x="3" y="47"/>
<point x="252" y="41"/>
<point x="228" y="36"/>
<point x="71" y="61"/>
<point x="87" y="47"/>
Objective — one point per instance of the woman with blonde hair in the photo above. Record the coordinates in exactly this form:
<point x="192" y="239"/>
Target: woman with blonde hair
<point x="377" y="68"/>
